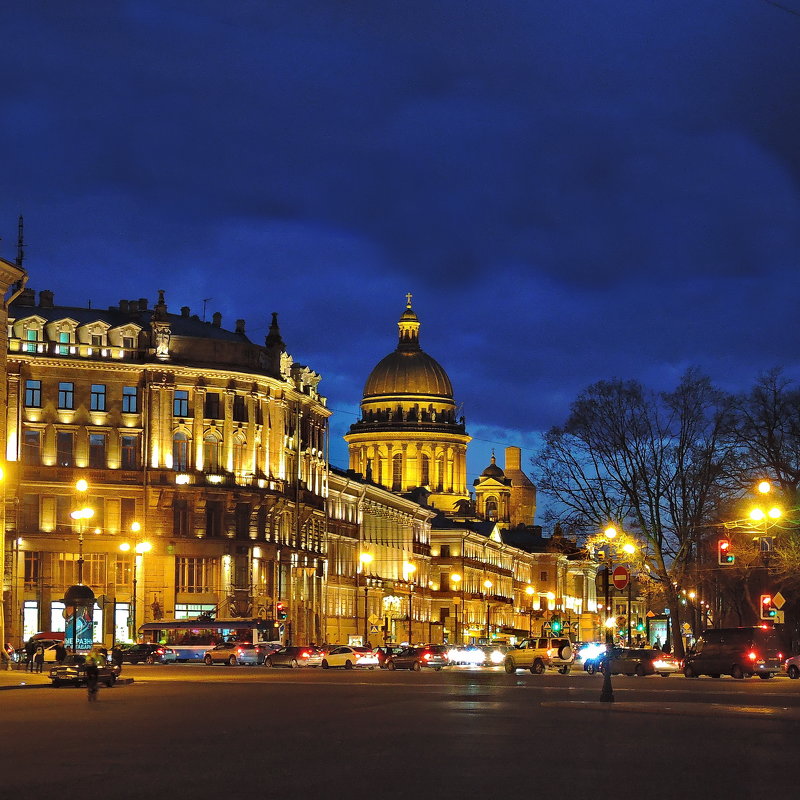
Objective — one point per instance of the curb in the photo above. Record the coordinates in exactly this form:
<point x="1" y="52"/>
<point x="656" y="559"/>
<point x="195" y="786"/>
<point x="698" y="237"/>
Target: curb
<point x="118" y="682"/>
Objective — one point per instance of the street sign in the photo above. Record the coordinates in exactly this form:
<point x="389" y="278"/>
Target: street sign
<point x="373" y="619"/>
<point x="373" y="628"/>
<point x="620" y="577"/>
<point x="778" y="600"/>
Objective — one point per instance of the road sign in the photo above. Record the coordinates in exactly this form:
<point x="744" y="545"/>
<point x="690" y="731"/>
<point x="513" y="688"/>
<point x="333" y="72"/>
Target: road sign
<point x="778" y="600"/>
<point x="373" y="628"/>
<point x="373" y="619"/>
<point x="620" y="577"/>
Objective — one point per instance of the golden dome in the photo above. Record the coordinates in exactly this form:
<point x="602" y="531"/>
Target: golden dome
<point x="408" y="370"/>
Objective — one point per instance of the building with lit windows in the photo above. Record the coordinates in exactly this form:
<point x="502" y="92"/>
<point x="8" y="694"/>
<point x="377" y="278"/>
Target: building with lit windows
<point x="191" y="439"/>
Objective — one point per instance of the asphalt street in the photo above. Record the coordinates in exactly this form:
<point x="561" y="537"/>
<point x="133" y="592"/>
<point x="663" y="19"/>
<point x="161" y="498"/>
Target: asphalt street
<point x="203" y="732"/>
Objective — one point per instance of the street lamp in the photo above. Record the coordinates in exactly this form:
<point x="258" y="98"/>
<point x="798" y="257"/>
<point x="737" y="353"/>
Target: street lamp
<point x="409" y="569"/>
<point x="455" y="580"/>
<point x="139" y="549"/>
<point x="364" y="559"/>
<point x="530" y="591"/>
<point x="487" y="584"/>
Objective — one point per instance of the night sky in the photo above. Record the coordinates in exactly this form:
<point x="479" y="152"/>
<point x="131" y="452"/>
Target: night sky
<point x="571" y="191"/>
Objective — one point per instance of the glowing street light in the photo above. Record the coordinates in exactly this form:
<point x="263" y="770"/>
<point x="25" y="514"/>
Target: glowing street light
<point x="455" y="581"/>
<point x="364" y="558"/>
<point x="530" y="591"/>
<point x="139" y="549"/>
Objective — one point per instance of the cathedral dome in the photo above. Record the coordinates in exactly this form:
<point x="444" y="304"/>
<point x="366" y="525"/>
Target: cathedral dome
<point x="493" y="471"/>
<point x="408" y="370"/>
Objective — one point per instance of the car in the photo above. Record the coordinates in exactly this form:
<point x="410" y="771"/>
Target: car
<point x="415" y="658"/>
<point x="792" y="667"/>
<point x="471" y="655"/>
<point x="738" y="652"/>
<point x="233" y="653"/>
<point x="494" y="655"/>
<point x="308" y="656"/>
<point x="384" y="651"/>
<point x="147" y="653"/>
<point x="73" y="671"/>
<point x="635" y="661"/>
<point x="587" y="654"/>
<point x="349" y="657"/>
<point x="540" y="653"/>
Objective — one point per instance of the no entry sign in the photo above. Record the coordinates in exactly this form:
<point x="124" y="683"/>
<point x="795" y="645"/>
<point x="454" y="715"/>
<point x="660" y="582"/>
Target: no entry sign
<point x="620" y="577"/>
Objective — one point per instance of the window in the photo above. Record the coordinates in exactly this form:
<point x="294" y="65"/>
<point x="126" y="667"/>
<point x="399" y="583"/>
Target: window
<point x="127" y="513"/>
<point x="194" y="575"/>
<point x="239" y="409"/>
<point x="440" y="474"/>
<point x="33" y="562"/>
<point x="180" y="451"/>
<point x="63" y="346"/>
<point x="214" y="518"/>
<point x="180" y="517"/>
<point x="180" y="403"/>
<point x="129" y="452"/>
<point x="425" y="471"/>
<point x="543" y="576"/>
<point x="243" y="521"/>
<point x="397" y="472"/>
<point x="66" y="396"/>
<point x="239" y="448"/>
<point x="31" y="447"/>
<point x="31" y="340"/>
<point x="97" y="341"/>
<point x="97" y="450"/>
<point x="127" y="342"/>
<point x="33" y="394"/>
<point x="130" y="400"/>
<point x="212" y="450"/>
<point x="212" y="406"/>
<point x="444" y="551"/>
<point x="98" y="397"/>
<point x="491" y="509"/>
<point x="65" y="448"/>
<point x="123" y="569"/>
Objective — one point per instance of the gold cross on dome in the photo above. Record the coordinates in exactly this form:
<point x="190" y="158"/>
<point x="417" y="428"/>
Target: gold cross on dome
<point x="408" y="299"/>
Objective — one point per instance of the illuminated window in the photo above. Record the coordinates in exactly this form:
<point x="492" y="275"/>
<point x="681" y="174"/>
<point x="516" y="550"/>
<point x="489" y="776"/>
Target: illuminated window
<point x="98" y="397"/>
<point x="180" y="403"/>
<point x="397" y="472"/>
<point x="440" y="474"/>
<point x="212" y="451"/>
<point x="63" y="346"/>
<point x="130" y="400"/>
<point x="425" y="471"/>
<point x="194" y="575"/>
<point x="66" y="396"/>
<point x="123" y="569"/>
<point x="180" y="451"/>
<point x="33" y="561"/>
<point x="491" y="509"/>
<point x="33" y="394"/>
<point x="239" y="450"/>
<point x="31" y="340"/>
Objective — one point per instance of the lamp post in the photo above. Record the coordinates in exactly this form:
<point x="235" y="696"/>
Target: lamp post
<point x="530" y="591"/>
<point x="364" y="559"/>
<point x="409" y="570"/>
<point x="139" y="549"/>
<point x="80" y="513"/>
<point x="607" y="692"/>
<point x="487" y="584"/>
<point x="455" y="580"/>
<point x="3" y="653"/>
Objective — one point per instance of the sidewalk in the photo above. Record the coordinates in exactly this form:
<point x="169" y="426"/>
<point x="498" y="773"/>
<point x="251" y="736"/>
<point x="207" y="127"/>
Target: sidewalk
<point x="19" y="679"/>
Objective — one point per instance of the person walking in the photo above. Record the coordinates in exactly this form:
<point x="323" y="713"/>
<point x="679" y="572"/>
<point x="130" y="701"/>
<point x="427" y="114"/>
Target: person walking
<point x="92" y="663"/>
<point x="30" y="649"/>
<point x="61" y="653"/>
<point x="38" y="659"/>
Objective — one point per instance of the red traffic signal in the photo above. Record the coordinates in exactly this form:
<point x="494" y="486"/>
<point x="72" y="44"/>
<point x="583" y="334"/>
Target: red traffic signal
<point x="724" y="554"/>
<point x="280" y="611"/>
<point x="767" y="609"/>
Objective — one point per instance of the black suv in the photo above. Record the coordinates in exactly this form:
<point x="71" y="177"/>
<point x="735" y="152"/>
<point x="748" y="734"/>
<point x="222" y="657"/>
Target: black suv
<point x="738" y="652"/>
<point x="147" y="653"/>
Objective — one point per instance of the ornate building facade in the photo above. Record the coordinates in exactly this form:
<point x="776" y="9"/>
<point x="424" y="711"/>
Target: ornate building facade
<point x="189" y="437"/>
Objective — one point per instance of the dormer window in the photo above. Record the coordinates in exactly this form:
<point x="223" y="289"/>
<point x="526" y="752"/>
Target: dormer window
<point x="63" y="343"/>
<point x="97" y="341"/>
<point x="31" y="339"/>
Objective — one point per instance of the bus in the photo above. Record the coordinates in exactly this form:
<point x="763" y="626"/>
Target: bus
<point x="191" y="638"/>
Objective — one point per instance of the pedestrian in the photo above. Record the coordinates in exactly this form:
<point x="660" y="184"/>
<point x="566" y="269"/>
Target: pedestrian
<point x="116" y="655"/>
<point x="30" y="649"/>
<point x="61" y="653"/>
<point x="38" y="659"/>
<point x="92" y="663"/>
<point x="657" y="643"/>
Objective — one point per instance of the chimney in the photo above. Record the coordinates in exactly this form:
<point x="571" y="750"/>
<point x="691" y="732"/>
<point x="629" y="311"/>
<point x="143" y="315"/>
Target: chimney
<point x="45" y="299"/>
<point x="184" y="311"/>
<point x="513" y="458"/>
<point x="27" y="297"/>
<point x="216" y="320"/>
<point x="142" y="304"/>
<point x="240" y="326"/>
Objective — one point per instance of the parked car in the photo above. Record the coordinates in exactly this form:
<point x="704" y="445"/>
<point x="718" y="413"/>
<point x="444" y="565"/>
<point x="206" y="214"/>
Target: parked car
<point x="307" y="656"/>
<point x="792" y="667"/>
<point x="73" y="671"/>
<point x="350" y="657"/>
<point x="234" y="653"/>
<point x="384" y="651"/>
<point x="147" y="653"/>
<point x="415" y="658"/>
<point x="636" y="661"/>
<point x="738" y="652"/>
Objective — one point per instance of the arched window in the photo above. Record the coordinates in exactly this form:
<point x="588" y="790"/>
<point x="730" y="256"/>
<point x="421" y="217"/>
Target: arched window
<point x="425" y="471"/>
<point x="239" y="451"/>
<point x="440" y="474"/>
<point x="491" y="509"/>
<point x="180" y="451"/>
<point x="397" y="472"/>
<point x="212" y="452"/>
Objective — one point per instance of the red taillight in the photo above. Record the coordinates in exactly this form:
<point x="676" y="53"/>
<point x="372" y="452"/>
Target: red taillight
<point x="780" y="656"/>
<point x="239" y="652"/>
<point x="159" y="652"/>
<point x="304" y="655"/>
<point x="426" y="656"/>
<point x="752" y="655"/>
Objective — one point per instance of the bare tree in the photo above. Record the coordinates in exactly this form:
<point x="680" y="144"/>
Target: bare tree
<point x="656" y="463"/>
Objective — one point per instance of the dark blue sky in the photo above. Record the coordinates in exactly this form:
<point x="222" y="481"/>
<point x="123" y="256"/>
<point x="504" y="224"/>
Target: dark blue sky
<point x="572" y="191"/>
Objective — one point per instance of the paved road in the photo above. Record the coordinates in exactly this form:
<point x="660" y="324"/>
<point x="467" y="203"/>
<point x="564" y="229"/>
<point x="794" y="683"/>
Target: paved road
<point x="197" y="732"/>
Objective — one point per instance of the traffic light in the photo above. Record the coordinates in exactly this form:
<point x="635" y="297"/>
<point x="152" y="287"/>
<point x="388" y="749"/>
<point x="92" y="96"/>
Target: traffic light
<point x="280" y="610"/>
<point x="767" y="609"/>
<point x="555" y="626"/>
<point x="724" y="554"/>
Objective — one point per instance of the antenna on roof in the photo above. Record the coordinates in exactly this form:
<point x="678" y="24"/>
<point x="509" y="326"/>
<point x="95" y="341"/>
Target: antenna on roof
<point x="20" y="241"/>
<point x="205" y="300"/>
